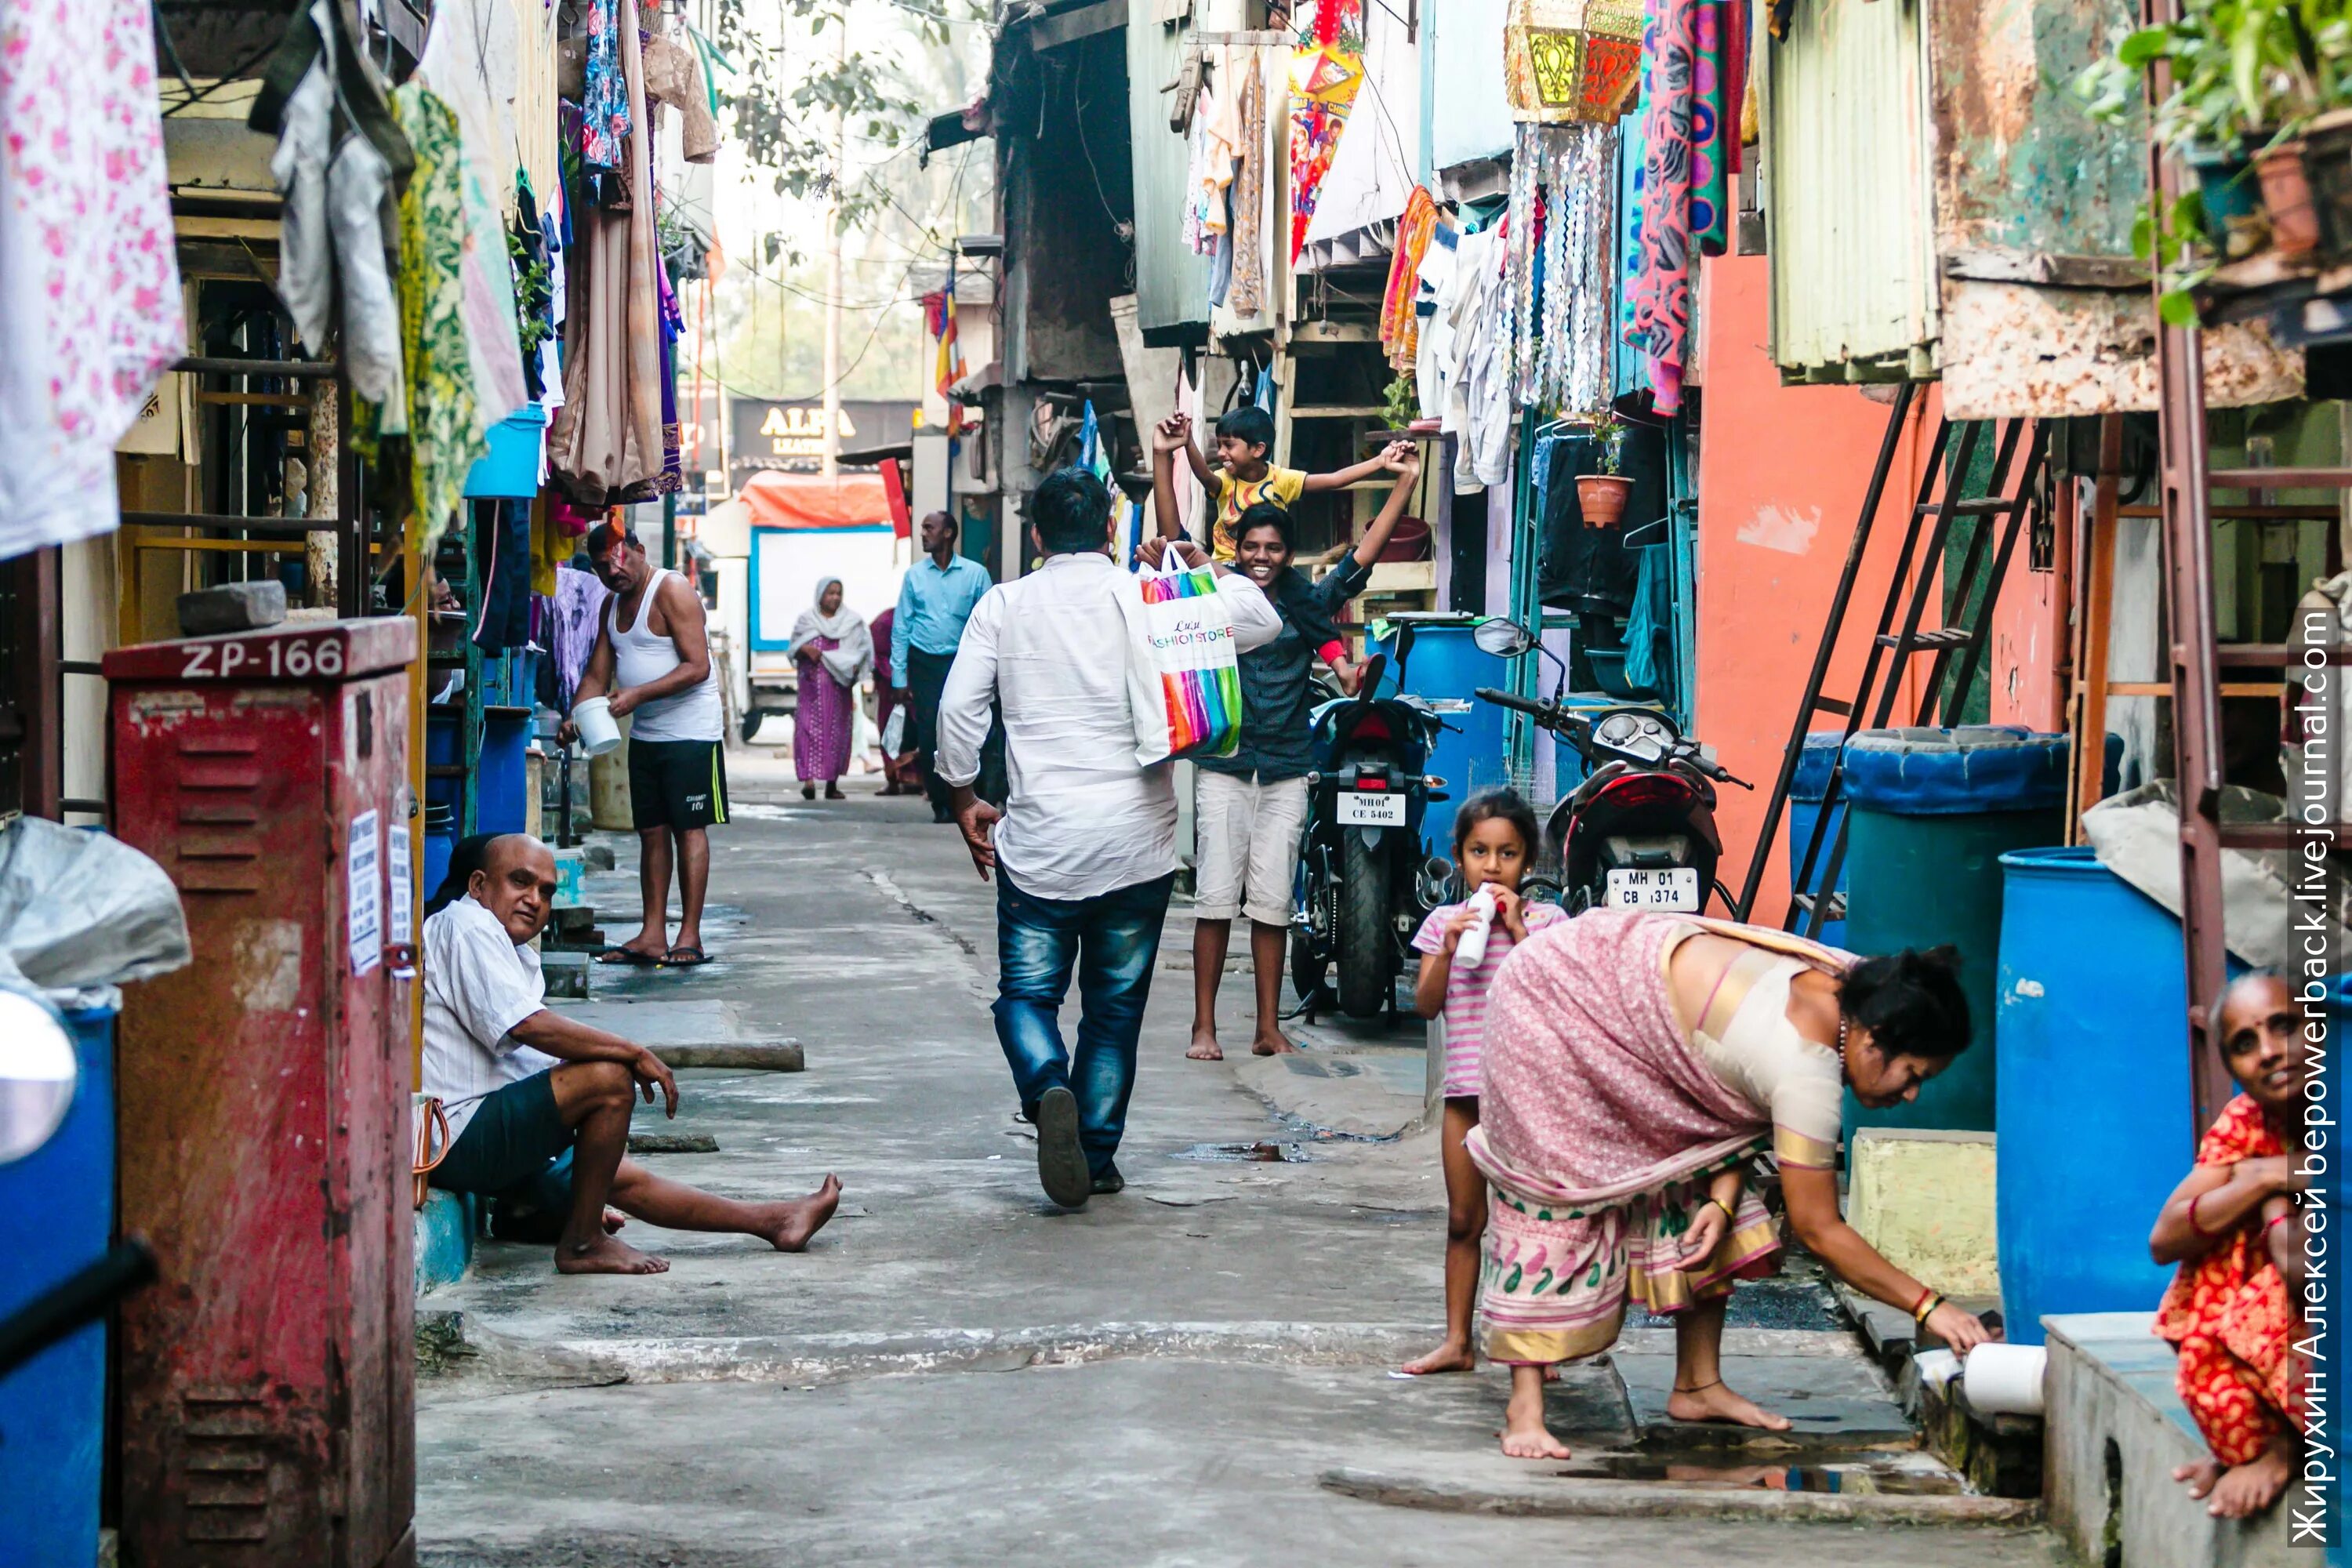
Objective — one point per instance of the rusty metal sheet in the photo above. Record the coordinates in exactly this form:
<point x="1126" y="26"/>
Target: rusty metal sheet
<point x="2018" y="166"/>
<point x="2014" y="349"/>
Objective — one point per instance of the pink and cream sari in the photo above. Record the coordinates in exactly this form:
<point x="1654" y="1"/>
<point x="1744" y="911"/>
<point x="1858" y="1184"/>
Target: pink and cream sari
<point x="1602" y="1122"/>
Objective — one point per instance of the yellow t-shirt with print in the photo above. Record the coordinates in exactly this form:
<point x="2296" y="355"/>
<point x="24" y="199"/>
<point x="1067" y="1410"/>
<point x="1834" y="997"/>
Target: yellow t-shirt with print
<point x="1283" y="487"/>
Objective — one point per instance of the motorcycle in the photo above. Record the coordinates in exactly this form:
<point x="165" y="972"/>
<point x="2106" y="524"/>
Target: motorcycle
<point x="1363" y="887"/>
<point x="1639" y="832"/>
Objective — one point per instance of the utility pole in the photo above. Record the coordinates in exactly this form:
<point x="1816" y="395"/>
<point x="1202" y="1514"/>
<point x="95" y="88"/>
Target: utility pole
<point x="832" y="463"/>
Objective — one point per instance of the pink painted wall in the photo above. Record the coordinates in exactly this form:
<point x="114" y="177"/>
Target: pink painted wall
<point x="1782" y="473"/>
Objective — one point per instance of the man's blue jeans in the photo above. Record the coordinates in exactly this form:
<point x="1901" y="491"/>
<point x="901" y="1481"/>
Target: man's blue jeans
<point x="1113" y="941"/>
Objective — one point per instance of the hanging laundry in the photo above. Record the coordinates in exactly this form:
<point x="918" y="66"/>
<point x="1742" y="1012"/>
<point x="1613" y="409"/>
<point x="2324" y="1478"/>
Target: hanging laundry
<point x="1713" y="150"/>
<point x="1246" y="297"/>
<point x="609" y="107"/>
<point x="473" y="61"/>
<point x="1478" y="404"/>
<point x="1434" y="357"/>
<point x="90" y="309"/>
<point x="674" y="76"/>
<point x="503" y="556"/>
<point x="438" y="410"/>
<point x="1659" y="292"/>
<point x="1400" y="319"/>
<point x="1326" y="74"/>
<point x="339" y="157"/>
<point x="607" y="440"/>
<point x="579" y="605"/>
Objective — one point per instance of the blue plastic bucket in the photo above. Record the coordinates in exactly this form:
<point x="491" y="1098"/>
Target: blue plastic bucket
<point x="2093" y="1097"/>
<point x="56" y="1215"/>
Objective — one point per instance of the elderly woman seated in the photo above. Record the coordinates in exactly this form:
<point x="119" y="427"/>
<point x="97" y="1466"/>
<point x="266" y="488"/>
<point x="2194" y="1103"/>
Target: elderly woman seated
<point x="2233" y="1227"/>
<point x="530" y="1092"/>
<point x="1637" y="1066"/>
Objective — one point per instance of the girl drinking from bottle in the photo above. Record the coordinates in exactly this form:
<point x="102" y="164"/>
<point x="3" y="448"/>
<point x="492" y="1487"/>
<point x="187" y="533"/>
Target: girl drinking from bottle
<point x="1461" y="946"/>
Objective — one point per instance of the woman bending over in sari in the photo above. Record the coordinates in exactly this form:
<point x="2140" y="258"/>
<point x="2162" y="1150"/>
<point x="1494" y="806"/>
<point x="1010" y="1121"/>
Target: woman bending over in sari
<point x="1636" y="1066"/>
<point x="2233" y="1227"/>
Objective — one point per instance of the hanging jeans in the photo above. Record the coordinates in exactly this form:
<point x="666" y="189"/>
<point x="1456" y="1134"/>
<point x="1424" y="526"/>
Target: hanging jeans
<point x="1113" y="941"/>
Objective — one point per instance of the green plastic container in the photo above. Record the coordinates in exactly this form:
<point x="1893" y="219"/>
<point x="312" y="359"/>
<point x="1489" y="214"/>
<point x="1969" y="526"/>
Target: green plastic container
<point x="1930" y="813"/>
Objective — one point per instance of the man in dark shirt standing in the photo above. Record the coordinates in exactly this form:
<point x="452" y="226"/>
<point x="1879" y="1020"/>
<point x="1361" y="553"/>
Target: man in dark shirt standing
<point x="1249" y="808"/>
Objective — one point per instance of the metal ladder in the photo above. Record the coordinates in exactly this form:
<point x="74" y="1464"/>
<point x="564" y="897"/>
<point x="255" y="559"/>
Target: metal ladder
<point x="1957" y="651"/>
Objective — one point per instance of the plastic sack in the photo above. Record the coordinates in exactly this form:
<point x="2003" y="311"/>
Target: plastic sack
<point x="80" y="909"/>
<point x="894" y="734"/>
<point x="1183" y="670"/>
<point x="2136" y="836"/>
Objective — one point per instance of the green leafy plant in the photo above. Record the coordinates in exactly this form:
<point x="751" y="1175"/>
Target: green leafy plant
<point x="2239" y="71"/>
<point x="1402" y="403"/>
<point x="1609" y="434"/>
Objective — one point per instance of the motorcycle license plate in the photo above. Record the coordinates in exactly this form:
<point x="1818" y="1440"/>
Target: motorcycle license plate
<point x="1357" y="809"/>
<point x="1671" y="888"/>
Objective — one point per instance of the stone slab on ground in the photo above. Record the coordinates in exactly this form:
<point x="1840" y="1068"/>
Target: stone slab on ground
<point x="1370" y="1093"/>
<point x="2118" y="1431"/>
<point x="1509" y="1488"/>
<point x="692" y="1032"/>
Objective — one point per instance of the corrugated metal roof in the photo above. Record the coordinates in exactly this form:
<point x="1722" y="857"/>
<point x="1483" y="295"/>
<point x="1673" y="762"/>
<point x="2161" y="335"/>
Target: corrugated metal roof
<point x="1171" y="280"/>
<point x="1847" y="191"/>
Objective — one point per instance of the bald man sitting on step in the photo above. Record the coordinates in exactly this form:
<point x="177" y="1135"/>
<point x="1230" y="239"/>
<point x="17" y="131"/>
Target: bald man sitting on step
<point x="524" y="1086"/>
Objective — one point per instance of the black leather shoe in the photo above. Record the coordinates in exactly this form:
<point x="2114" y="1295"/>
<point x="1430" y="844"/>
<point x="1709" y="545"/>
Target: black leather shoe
<point x="1061" y="1163"/>
<point x="1109" y="1181"/>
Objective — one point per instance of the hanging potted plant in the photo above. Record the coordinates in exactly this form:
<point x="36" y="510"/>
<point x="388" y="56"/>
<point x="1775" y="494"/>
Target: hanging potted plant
<point x="1602" y="495"/>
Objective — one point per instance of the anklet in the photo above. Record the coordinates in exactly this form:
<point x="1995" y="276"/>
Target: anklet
<point x="1702" y="1388"/>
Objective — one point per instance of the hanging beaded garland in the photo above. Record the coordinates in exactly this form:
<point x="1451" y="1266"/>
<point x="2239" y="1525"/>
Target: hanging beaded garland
<point x="1563" y="180"/>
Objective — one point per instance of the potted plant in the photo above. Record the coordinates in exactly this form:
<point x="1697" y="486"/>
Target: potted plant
<point x="1602" y="496"/>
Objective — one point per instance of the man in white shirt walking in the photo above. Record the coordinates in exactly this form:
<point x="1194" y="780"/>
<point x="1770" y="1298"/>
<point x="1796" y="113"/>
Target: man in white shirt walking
<point x="1085" y="847"/>
<point x="524" y="1086"/>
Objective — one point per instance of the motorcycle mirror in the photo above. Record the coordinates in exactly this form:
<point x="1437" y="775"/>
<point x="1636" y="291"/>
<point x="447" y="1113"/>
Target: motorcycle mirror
<point x="1504" y="639"/>
<point x="38" y="1074"/>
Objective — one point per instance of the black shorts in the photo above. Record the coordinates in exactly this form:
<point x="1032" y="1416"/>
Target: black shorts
<point x="677" y="783"/>
<point x="514" y="1137"/>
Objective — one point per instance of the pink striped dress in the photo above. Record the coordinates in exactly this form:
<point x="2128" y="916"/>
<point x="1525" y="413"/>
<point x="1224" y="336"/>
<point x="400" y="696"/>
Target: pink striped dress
<point x="1466" y="989"/>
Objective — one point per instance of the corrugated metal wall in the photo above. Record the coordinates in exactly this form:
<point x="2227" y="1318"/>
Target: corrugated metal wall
<point x="1172" y="281"/>
<point x="1847" y="193"/>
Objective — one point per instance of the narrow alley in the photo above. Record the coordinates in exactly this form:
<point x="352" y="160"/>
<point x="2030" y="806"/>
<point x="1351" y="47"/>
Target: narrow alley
<point x="1196" y="1370"/>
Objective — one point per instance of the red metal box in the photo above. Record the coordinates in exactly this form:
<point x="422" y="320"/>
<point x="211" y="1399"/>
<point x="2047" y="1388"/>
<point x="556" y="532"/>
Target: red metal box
<point x="266" y="1381"/>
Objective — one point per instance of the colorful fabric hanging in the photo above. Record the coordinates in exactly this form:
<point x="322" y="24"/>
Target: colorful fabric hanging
<point x="1571" y="61"/>
<point x="1400" y="325"/>
<point x="1659" y="290"/>
<point x="1245" y="295"/>
<point x="1563" y="179"/>
<point x="605" y="99"/>
<point x="1713" y="138"/>
<point x="948" y="364"/>
<point x="1327" y="71"/>
<point x="438" y="409"/>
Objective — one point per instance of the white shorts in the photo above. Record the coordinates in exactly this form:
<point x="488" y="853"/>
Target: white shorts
<point x="1246" y="838"/>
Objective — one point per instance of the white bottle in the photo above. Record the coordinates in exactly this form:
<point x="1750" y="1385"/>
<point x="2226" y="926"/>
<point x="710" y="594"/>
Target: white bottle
<point x="1470" y="951"/>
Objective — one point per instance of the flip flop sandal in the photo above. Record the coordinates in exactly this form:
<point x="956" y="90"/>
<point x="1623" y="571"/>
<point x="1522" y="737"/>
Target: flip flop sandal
<point x="627" y="958"/>
<point x="673" y="962"/>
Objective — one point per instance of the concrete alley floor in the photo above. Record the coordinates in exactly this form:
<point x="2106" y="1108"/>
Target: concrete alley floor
<point x="1193" y="1372"/>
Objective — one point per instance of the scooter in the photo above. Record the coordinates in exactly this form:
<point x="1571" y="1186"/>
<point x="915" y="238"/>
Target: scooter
<point x="1639" y="832"/>
<point x="1363" y="887"/>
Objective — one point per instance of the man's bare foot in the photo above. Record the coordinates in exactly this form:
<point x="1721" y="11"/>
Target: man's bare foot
<point x="1525" y="1436"/>
<point x="1275" y="1044"/>
<point x="794" y="1223"/>
<point x="605" y="1256"/>
<point x="1716" y="1402"/>
<point x="1447" y="1357"/>
<point x="2200" y="1476"/>
<point x="1204" y="1046"/>
<point x="2246" y="1490"/>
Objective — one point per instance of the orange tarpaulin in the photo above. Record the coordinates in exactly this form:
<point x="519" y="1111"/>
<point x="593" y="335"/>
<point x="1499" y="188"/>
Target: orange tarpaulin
<point x="779" y="499"/>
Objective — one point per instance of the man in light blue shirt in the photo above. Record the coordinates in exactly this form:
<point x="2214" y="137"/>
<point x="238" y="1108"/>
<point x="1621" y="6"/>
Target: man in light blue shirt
<point x="934" y="603"/>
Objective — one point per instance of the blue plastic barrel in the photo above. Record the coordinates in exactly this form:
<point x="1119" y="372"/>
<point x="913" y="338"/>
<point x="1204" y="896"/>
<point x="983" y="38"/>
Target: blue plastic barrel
<point x="1929" y="815"/>
<point x="2092" y="1095"/>
<point x="1812" y="781"/>
<point x="57" y="1215"/>
<point x="1444" y="663"/>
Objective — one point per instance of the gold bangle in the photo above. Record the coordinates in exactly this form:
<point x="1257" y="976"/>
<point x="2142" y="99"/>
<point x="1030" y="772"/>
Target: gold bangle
<point x="1926" y="1309"/>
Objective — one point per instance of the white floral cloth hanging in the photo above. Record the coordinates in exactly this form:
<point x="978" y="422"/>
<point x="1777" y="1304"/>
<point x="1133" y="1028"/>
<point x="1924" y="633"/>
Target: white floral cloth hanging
<point x="89" y="286"/>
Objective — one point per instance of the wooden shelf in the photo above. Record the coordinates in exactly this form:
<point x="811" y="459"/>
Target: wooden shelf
<point x="1337" y="411"/>
<point x="2280" y="478"/>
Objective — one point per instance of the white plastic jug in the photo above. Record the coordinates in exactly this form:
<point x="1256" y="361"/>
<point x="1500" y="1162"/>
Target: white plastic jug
<point x="599" y="730"/>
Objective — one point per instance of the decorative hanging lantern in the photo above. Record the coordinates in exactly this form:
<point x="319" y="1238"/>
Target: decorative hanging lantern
<point x="1572" y="61"/>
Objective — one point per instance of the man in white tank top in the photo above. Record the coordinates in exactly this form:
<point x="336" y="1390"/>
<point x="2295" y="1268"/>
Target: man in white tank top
<point x="652" y="658"/>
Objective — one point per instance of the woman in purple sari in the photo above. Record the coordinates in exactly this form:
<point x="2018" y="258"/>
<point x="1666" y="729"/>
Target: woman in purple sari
<point x="835" y="652"/>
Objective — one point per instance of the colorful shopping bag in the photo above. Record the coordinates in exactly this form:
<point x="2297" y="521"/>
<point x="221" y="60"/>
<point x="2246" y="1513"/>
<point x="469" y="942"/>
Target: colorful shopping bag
<point x="1184" y="683"/>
